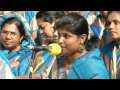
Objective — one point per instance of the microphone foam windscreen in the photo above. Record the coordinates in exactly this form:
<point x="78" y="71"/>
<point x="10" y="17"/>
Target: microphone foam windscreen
<point x="55" y="49"/>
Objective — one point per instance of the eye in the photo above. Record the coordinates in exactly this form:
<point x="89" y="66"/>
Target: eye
<point x="116" y="22"/>
<point x="108" y="23"/>
<point x="67" y="36"/>
<point x="41" y="27"/>
<point x="13" y="34"/>
<point x="4" y="32"/>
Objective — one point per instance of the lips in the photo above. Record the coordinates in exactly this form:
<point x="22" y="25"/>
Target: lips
<point x="62" y="47"/>
<point x="7" y="42"/>
<point x="112" y="32"/>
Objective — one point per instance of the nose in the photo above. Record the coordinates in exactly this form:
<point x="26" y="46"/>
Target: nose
<point x="111" y="26"/>
<point x="41" y="31"/>
<point x="60" y="40"/>
<point x="8" y="35"/>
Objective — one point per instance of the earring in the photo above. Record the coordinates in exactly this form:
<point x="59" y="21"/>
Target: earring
<point x="81" y="47"/>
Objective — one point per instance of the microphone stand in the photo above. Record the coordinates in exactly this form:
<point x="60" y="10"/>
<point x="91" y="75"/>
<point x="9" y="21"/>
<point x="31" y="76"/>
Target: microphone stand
<point x="31" y="64"/>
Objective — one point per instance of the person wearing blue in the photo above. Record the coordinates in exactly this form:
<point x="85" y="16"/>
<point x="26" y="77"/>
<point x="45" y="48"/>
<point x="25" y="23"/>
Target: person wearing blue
<point x="5" y="71"/>
<point x="111" y="51"/>
<point x="43" y="59"/>
<point x="75" y="62"/>
<point x="12" y="34"/>
<point x="99" y="28"/>
<point x="27" y="41"/>
<point x="5" y="15"/>
<point x="29" y="20"/>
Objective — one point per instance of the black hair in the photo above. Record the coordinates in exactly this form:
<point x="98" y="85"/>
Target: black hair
<point x="113" y="11"/>
<point x="17" y="22"/>
<point x="93" y="42"/>
<point x="109" y="12"/>
<point x="78" y="25"/>
<point x="74" y="23"/>
<point x="49" y="16"/>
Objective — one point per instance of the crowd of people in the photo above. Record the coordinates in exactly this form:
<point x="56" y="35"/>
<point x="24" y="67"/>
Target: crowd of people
<point x="89" y="44"/>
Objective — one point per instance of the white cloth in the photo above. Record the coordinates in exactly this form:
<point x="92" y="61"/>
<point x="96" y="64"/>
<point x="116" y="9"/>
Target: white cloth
<point x="5" y="71"/>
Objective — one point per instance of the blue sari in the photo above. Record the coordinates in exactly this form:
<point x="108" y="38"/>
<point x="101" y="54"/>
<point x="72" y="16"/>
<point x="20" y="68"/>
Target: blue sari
<point x="107" y="52"/>
<point x="88" y="66"/>
<point x="29" y="40"/>
<point x="24" y="57"/>
<point x="3" y="18"/>
<point x="103" y="35"/>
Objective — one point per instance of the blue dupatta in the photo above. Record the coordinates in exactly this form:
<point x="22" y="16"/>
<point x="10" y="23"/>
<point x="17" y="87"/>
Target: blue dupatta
<point x="110" y="55"/>
<point x="28" y="40"/>
<point x="24" y="57"/>
<point x="88" y="66"/>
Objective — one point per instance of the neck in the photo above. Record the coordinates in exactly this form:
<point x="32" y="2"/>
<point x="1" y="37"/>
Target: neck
<point x="14" y="50"/>
<point x="69" y="60"/>
<point x="117" y="42"/>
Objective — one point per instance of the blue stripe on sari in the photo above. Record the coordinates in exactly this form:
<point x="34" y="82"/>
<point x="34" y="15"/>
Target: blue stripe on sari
<point x="89" y="66"/>
<point x="24" y="59"/>
<point x="29" y="15"/>
<point x="96" y="29"/>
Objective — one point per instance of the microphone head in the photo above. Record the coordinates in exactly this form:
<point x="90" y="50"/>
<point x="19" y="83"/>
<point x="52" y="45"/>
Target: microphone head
<point x="55" y="49"/>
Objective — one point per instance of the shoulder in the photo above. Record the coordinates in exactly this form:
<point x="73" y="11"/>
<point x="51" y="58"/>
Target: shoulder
<point x="25" y="51"/>
<point x="107" y="48"/>
<point x="91" y="56"/>
<point x="91" y="65"/>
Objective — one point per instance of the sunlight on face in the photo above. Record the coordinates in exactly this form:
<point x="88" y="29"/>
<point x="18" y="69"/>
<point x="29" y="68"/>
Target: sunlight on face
<point x="113" y="25"/>
<point x="10" y="36"/>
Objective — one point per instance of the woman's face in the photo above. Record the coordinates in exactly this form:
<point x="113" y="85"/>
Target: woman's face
<point x="113" y="25"/>
<point x="69" y="42"/>
<point x="46" y="29"/>
<point x="10" y="36"/>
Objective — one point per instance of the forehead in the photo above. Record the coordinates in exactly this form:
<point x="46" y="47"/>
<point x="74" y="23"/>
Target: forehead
<point x="41" y="21"/>
<point x="63" y="31"/>
<point x="10" y="27"/>
<point x="114" y="16"/>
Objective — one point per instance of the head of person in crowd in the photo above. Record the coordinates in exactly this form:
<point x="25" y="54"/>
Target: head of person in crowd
<point x="1" y="12"/>
<point x="113" y="25"/>
<point x="45" y="21"/>
<point x="104" y="13"/>
<point x="68" y="12"/>
<point x="11" y="34"/>
<point x="73" y="34"/>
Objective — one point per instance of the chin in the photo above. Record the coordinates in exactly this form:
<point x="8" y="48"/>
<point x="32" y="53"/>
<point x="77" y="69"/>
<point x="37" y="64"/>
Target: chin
<point x="8" y="47"/>
<point x="115" y="38"/>
<point x="65" y="53"/>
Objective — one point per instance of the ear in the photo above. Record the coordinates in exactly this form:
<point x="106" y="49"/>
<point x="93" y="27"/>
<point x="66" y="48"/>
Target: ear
<point x="21" y="38"/>
<point x="52" y="25"/>
<point x="83" y="37"/>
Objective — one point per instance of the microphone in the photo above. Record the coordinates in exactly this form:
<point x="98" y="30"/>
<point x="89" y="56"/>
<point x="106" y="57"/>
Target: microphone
<point x="53" y="49"/>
